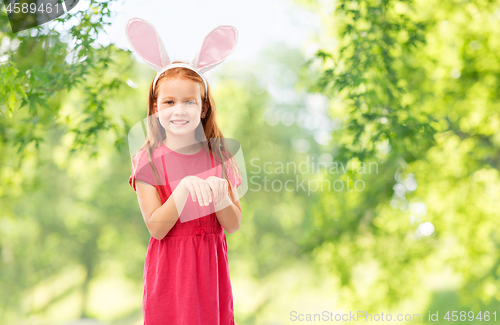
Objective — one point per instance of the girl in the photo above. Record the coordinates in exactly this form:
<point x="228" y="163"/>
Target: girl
<point x="186" y="276"/>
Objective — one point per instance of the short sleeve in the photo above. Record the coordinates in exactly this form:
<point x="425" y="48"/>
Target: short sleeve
<point x="143" y="173"/>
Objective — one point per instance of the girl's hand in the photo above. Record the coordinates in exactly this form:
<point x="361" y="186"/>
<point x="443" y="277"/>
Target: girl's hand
<point x="219" y="188"/>
<point x="198" y="188"/>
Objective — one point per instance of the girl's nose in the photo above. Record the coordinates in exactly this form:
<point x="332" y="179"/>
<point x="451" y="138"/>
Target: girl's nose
<point x="179" y="108"/>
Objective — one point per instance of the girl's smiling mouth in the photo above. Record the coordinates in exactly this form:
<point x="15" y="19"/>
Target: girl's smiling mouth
<point x="179" y="122"/>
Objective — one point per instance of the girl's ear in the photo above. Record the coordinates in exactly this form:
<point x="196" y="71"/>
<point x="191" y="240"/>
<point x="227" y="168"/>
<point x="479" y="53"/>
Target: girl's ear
<point x="216" y="47"/>
<point x="146" y="42"/>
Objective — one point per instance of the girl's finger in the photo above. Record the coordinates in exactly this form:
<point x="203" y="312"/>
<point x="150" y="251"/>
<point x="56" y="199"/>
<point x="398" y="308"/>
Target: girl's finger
<point x="205" y="193"/>
<point x="221" y="191"/>
<point x="199" y="194"/>
<point x="225" y="188"/>
<point x="205" y="190"/>
<point x="210" y="193"/>
<point x="215" y="192"/>
<point x="213" y="188"/>
<point x="192" y="191"/>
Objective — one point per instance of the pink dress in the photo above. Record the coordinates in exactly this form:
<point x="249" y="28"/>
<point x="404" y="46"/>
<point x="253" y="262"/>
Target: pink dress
<point x="186" y="274"/>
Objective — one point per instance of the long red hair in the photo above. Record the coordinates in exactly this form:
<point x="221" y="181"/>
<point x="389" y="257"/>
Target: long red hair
<point x="156" y="134"/>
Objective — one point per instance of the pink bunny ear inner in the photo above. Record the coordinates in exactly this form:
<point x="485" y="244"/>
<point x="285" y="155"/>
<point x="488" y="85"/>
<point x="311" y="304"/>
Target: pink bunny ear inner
<point x="147" y="43"/>
<point x="218" y="45"/>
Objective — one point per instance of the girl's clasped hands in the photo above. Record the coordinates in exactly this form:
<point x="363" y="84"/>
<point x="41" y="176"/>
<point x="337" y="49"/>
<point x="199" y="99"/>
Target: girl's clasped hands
<point x="206" y="190"/>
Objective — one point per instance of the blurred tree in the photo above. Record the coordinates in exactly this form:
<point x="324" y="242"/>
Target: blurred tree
<point x="39" y="67"/>
<point x="61" y="107"/>
<point x="416" y="88"/>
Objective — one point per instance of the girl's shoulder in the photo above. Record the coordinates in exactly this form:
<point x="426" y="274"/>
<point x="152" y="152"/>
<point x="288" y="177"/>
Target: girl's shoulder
<point x="141" y="156"/>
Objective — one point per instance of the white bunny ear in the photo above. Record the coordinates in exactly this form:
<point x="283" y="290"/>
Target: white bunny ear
<point x="216" y="47"/>
<point x="146" y="42"/>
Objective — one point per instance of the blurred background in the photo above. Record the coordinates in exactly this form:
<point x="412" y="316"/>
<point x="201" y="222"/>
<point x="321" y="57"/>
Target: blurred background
<point x="388" y="109"/>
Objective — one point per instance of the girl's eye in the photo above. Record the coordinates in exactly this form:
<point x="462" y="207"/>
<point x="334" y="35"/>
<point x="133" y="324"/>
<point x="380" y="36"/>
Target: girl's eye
<point x="191" y="102"/>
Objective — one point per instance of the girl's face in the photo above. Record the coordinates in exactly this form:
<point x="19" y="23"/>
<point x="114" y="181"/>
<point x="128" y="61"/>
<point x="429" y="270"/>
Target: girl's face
<point x="179" y="106"/>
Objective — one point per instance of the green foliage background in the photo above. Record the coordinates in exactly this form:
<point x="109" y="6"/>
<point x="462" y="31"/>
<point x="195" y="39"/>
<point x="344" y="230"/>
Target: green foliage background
<point x="411" y="87"/>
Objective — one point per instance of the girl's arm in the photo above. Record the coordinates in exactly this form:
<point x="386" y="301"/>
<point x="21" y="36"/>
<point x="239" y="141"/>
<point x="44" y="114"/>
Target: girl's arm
<point x="230" y="216"/>
<point x="160" y="218"/>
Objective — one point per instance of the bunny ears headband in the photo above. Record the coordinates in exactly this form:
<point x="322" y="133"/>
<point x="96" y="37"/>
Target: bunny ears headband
<point x="146" y="42"/>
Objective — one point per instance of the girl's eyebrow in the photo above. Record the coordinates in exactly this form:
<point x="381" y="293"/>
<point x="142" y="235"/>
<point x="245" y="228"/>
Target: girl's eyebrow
<point x="170" y="97"/>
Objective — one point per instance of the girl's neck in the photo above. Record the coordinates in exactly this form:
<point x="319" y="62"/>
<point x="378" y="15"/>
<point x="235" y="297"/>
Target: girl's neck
<point x="183" y="145"/>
